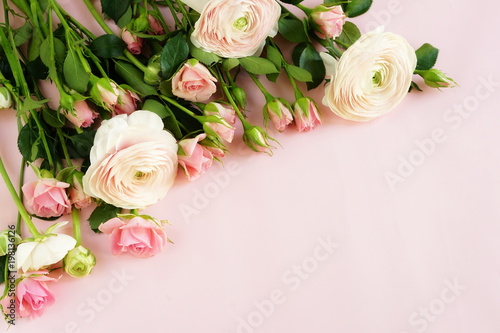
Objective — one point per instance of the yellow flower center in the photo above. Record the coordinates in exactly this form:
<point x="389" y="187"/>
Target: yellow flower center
<point x="241" y="23"/>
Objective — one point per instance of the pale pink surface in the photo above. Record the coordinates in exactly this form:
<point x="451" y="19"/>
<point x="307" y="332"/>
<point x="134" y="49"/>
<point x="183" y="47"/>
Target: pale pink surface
<point x="247" y="224"/>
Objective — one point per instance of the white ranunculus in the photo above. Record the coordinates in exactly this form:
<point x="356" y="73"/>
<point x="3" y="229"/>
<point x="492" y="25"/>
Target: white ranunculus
<point x="371" y="77"/>
<point x="133" y="162"/>
<point x="31" y="256"/>
<point x="234" y="28"/>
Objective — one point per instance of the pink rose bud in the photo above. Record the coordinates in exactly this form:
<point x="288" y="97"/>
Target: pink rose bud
<point x="47" y="197"/>
<point x="105" y="92"/>
<point x="257" y="139"/>
<point x="82" y="115"/>
<point x="193" y="82"/>
<point x="76" y="194"/>
<point x="306" y="114"/>
<point x="134" y="43"/>
<point x="155" y="26"/>
<point x="280" y="113"/>
<point x="196" y="158"/>
<point x="328" y="21"/>
<point x="127" y="102"/>
<point x="224" y="130"/>
<point x="32" y="296"/>
<point x="138" y="236"/>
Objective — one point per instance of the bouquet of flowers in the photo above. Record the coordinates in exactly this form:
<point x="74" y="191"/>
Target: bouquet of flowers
<point x="161" y="90"/>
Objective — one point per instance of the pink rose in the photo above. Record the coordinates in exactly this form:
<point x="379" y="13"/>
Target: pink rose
<point x="306" y="114"/>
<point x="76" y="194"/>
<point x="32" y="296"/>
<point x="234" y="28"/>
<point x="328" y="21"/>
<point x="193" y="82"/>
<point x="47" y="197"/>
<point x="155" y="26"/>
<point x="82" y="115"/>
<point x="134" y="43"/>
<point x="137" y="236"/>
<point x="228" y="115"/>
<point x="127" y="102"/>
<point x="279" y="112"/>
<point x="106" y="92"/>
<point x="197" y="158"/>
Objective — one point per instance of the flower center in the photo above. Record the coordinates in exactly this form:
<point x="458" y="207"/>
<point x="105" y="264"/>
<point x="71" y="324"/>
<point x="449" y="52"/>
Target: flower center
<point x="377" y="78"/>
<point x="139" y="175"/>
<point x="240" y="23"/>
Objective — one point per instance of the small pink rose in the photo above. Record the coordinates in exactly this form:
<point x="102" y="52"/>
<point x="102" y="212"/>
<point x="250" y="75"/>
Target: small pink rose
<point x="197" y="158"/>
<point x="155" y="26"/>
<point x="306" y="114"/>
<point x="134" y="43"/>
<point x="76" y="194"/>
<point x="83" y="115"/>
<point x="279" y="113"/>
<point x="108" y="92"/>
<point x="228" y="114"/>
<point x="32" y="296"/>
<point x="193" y="82"/>
<point x="127" y="102"/>
<point x="329" y="21"/>
<point x="47" y="197"/>
<point x="138" y="236"/>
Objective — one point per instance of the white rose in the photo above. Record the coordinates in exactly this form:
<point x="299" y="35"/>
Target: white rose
<point x="133" y="162"/>
<point x="234" y="28"/>
<point x="5" y="98"/>
<point x="31" y="256"/>
<point x="372" y="76"/>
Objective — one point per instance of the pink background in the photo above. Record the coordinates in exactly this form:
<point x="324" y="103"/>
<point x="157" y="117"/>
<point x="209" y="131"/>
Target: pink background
<point x="421" y="255"/>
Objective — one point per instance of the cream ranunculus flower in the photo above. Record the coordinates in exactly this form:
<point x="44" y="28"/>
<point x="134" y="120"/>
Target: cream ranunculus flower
<point x="371" y="77"/>
<point x="234" y="28"/>
<point x="49" y="249"/>
<point x="133" y="162"/>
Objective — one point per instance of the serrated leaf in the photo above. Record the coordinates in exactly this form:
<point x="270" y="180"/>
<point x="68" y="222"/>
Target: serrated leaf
<point x="81" y="143"/>
<point x="74" y="73"/>
<point x="108" y="46"/>
<point x="350" y="34"/>
<point x="174" y="53"/>
<point x="299" y="74"/>
<point x="258" y="66"/>
<point x="30" y="104"/>
<point x="292" y="30"/>
<point x="125" y="18"/>
<point x="230" y="63"/>
<point x="59" y="52"/>
<point x="34" y="45"/>
<point x="53" y="118"/>
<point x="115" y="8"/>
<point x="102" y="214"/>
<point x="22" y="34"/>
<point x="426" y="56"/>
<point x="311" y="61"/>
<point x="204" y="57"/>
<point x="27" y="142"/>
<point x="355" y="8"/>
<point x="274" y="56"/>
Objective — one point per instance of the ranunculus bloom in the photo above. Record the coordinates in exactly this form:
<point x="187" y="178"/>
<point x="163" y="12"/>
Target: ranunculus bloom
<point x="47" y="197"/>
<point x="127" y="102"/>
<point x="31" y="256"/>
<point x="134" y="43"/>
<point x="328" y="21"/>
<point x="197" y="158"/>
<point x="32" y="295"/>
<point x="306" y="114"/>
<point x="133" y="162"/>
<point x="138" y="236"/>
<point x="82" y="115"/>
<point x="279" y="112"/>
<point x="234" y="28"/>
<point x="228" y="115"/>
<point x="372" y="76"/>
<point x="155" y="26"/>
<point x="193" y="82"/>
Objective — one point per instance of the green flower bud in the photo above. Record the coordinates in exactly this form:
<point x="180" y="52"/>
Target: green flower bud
<point x="141" y="23"/>
<point x="7" y="237"/>
<point x="257" y="139"/>
<point x="79" y="262"/>
<point x="436" y="79"/>
<point x="240" y="96"/>
<point x="152" y="74"/>
<point x="5" y="98"/>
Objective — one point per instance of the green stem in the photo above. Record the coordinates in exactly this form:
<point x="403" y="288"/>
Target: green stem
<point x="177" y="22"/>
<point x="184" y="13"/>
<point x="305" y="9"/>
<point x="64" y="147"/>
<point x="298" y="93"/>
<point x="176" y="104"/>
<point x="98" y="17"/>
<point x="21" y="183"/>
<point x="160" y="16"/>
<point x="77" y="231"/>
<point x="20" y="207"/>
<point x="259" y="85"/>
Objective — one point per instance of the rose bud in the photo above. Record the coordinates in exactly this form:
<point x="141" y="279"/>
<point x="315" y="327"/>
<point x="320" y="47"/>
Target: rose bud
<point x="239" y="96"/>
<point x="194" y="158"/>
<point x="141" y="23"/>
<point x="81" y="115"/>
<point x="306" y="114"/>
<point x="224" y="129"/>
<point x="257" y="139"/>
<point x="193" y="82"/>
<point x="47" y="197"/>
<point x="328" y="21"/>
<point x="105" y="92"/>
<point x="5" y="98"/>
<point x="436" y="79"/>
<point x="79" y="262"/>
<point x="8" y="236"/>
<point x="280" y="113"/>
<point x="127" y="102"/>
<point x="76" y="194"/>
<point x="152" y="72"/>
<point x="155" y="26"/>
<point x="134" y="43"/>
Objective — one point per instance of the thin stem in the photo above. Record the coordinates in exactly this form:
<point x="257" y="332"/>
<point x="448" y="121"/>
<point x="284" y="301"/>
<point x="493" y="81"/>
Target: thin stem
<point x="261" y="87"/>
<point x="305" y="9"/>
<point x="175" y="103"/>
<point x="21" y="183"/>
<point x="20" y="207"/>
<point x="77" y="231"/>
<point x="160" y="16"/>
<point x="64" y="147"/>
<point x="98" y="17"/>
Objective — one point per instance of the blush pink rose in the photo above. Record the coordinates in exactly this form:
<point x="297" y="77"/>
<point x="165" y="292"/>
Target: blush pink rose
<point x="197" y="158"/>
<point x="278" y="111"/>
<point x="228" y="115"/>
<point x="193" y="82"/>
<point x="155" y="26"/>
<point x="82" y="115"/>
<point x="306" y="114"/>
<point x="47" y="197"/>
<point x="76" y="194"/>
<point x="32" y="296"/>
<point x="137" y="236"/>
<point x="134" y="43"/>
<point x="328" y="21"/>
<point x="127" y="102"/>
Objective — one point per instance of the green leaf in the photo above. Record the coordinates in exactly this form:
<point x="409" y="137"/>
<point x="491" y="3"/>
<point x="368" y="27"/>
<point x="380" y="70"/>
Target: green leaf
<point x="53" y="118"/>
<point x="34" y="46"/>
<point x="81" y="143"/>
<point x="166" y="114"/>
<point x="155" y="107"/>
<point x="37" y="69"/>
<point x="230" y="63"/>
<point x="292" y="2"/>
<point x="22" y="34"/>
<point x="258" y="66"/>
<point x="108" y="46"/>
<point x="355" y="8"/>
<point x="125" y="18"/>
<point x="102" y="214"/>
<point x="426" y="56"/>
<point x="274" y="56"/>
<point x="350" y="34"/>
<point x="28" y="142"/>
<point x="204" y="57"/>
<point x="30" y="104"/>
<point x="311" y="61"/>
<point x="134" y="78"/>
<point x="74" y="73"/>
<point x="292" y="29"/>
<point x="299" y="74"/>
<point x="3" y="271"/>
<point x="115" y="8"/>
<point x="174" y="53"/>
<point x="59" y="52"/>
<point x="415" y="86"/>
